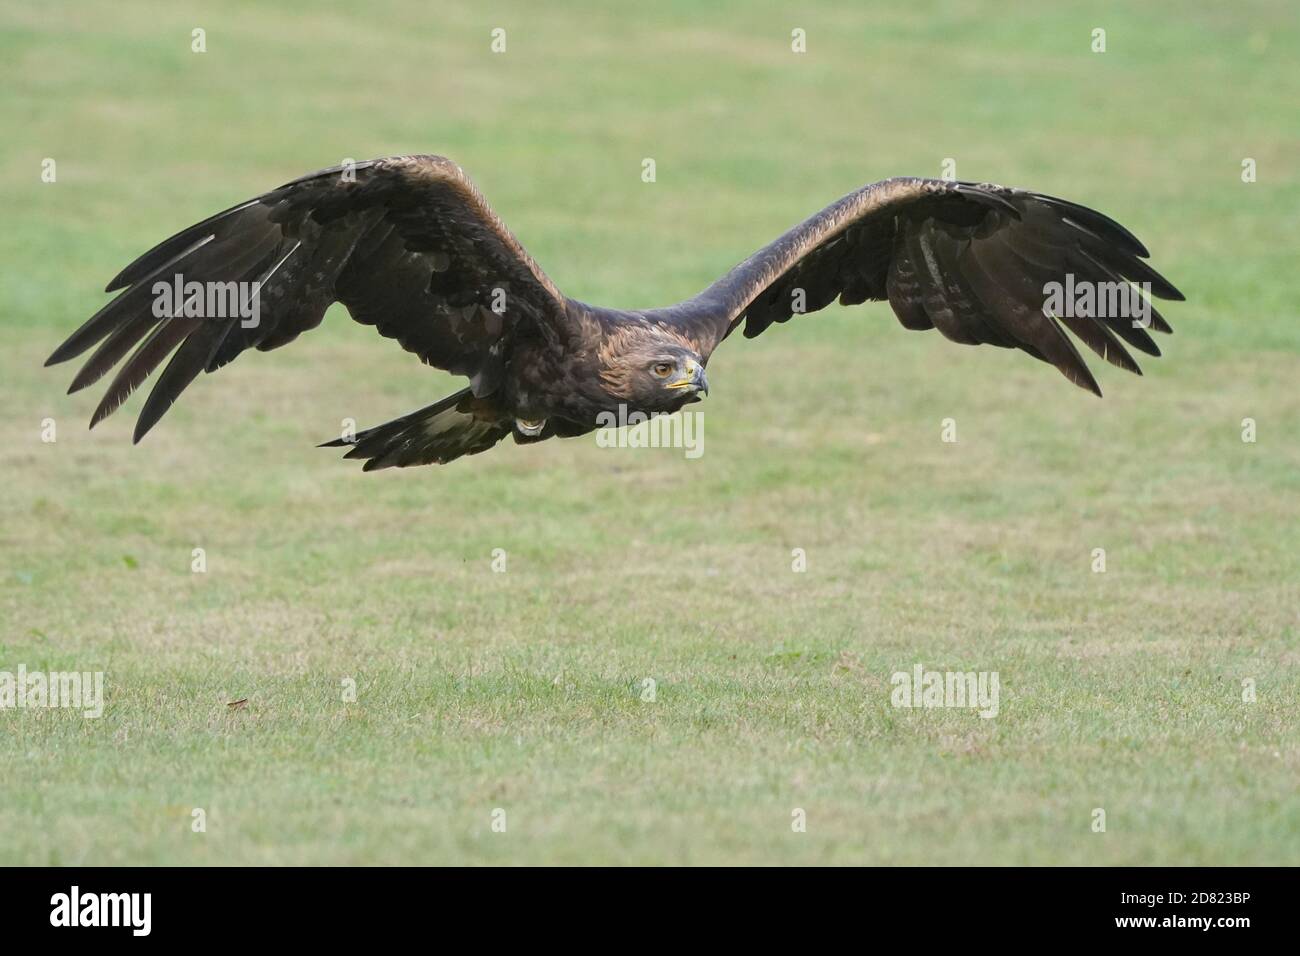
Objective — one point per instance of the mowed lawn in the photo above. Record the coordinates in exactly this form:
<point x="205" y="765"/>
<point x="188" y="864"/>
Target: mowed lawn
<point x="525" y="691"/>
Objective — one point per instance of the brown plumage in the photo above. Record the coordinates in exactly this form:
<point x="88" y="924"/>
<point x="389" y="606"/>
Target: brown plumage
<point x="410" y="246"/>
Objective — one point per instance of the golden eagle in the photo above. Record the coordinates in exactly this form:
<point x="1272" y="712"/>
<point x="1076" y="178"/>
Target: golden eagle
<point x="409" y="245"/>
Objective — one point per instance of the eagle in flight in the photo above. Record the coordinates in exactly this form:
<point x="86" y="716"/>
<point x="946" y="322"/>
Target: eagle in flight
<point x="409" y="245"/>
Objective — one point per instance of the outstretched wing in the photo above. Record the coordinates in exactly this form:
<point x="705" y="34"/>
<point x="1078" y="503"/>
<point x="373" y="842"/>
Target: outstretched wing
<point x="974" y="260"/>
<point x="407" y="244"/>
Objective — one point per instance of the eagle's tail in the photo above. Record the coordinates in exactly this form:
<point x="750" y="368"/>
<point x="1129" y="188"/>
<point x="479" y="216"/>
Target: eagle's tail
<point x="457" y="425"/>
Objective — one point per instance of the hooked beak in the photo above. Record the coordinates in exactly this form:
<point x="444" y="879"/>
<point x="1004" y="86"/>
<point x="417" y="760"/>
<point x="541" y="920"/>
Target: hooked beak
<point x="693" y="379"/>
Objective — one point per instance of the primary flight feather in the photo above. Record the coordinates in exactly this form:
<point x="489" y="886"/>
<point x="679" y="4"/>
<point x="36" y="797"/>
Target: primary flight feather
<point x="410" y="246"/>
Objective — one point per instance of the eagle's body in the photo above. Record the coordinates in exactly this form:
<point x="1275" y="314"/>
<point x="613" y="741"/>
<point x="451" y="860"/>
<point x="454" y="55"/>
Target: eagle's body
<point x="409" y="245"/>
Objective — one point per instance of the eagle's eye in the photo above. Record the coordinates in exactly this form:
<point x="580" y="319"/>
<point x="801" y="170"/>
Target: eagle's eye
<point x="663" y="369"/>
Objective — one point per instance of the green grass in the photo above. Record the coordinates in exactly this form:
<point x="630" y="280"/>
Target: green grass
<point x="522" y="690"/>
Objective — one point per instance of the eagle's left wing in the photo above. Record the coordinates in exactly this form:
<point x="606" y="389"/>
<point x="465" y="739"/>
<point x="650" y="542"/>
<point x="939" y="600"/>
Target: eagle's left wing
<point x="974" y="260"/>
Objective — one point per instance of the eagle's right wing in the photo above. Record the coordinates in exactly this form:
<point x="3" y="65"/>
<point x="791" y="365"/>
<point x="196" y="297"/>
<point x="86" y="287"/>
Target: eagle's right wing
<point x="407" y="244"/>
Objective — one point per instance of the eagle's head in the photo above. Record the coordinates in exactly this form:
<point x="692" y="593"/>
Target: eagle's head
<point x="653" y="370"/>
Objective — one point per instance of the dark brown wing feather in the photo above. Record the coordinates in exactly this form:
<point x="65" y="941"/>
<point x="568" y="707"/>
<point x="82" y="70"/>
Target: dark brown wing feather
<point x="970" y="259"/>
<point x="407" y="244"/>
